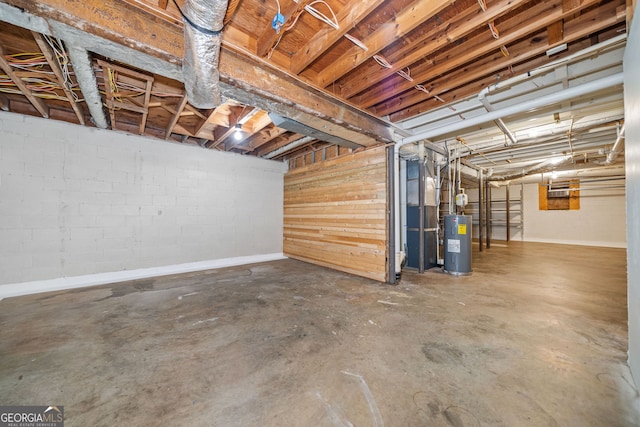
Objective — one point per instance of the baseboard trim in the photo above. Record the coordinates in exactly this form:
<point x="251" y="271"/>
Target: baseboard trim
<point x="39" y="286"/>
<point x="619" y="245"/>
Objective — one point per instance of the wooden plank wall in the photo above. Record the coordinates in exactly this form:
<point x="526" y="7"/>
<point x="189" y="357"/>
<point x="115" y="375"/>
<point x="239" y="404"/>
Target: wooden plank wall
<point x="335" y="214"/>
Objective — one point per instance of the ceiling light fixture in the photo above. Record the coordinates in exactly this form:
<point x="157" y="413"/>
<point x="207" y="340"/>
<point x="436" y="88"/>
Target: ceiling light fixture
<point x="237" y="135"/>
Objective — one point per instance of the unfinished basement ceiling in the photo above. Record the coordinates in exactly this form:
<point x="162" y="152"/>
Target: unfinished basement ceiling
<point x="358" y="70"/>
<point x="566" y="116"/>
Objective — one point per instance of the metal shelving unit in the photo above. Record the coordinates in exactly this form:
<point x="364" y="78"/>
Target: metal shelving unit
<point x="507" y="214"/>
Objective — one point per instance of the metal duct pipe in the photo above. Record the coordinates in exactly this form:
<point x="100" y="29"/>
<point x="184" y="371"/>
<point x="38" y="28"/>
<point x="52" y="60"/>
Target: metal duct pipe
<point x="203" y="22"/>
<point x="295" y="144"/>
<point x="616" y="149"/>
<point x="543" y="101"/>
<point x="83" y="69"/>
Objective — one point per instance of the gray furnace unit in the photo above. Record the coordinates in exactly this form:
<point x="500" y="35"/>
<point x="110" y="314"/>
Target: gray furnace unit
<point x="457" y="244"/>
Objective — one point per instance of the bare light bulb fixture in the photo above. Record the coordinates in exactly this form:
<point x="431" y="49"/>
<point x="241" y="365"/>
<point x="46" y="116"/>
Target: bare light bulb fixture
<point x="237" y="135"/>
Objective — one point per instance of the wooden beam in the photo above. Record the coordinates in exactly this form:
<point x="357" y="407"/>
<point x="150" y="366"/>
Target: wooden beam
<point x="112" y="103"/>
<point x="414" y="103"/>
<point x="50" y="56"/>
<point x="4" y="102"/>
<point x="224" y="134"/>
<point x="263" y="137"/>
<point x="36" y="102"/>
<point x="108" y="92"/>
<point x="555" y="33"/>
<point x="278" y="142"/>
<point x="115" y="29"/>
<point x="405" y="21"/>
<point x="465" y="22"/>
<point x="257" y="120"/>
<point x="285" y="96"/>
<point x="535" y="18"/>
<point x="568" y="5"/>
<point x="139" y="80"/>
<point x="269" y="36"/>
<point x="206" y="121"/>
<point x="113" y="20"/>
<point x="247" y="114"/>
<point x="147" y="97"/>
<point x="195" y="111"/>
<point x="348" y="17"/>
<point x="131" y="77"/>
<point x="176" y="116"/>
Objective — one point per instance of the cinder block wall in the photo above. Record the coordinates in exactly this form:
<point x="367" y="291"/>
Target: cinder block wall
<point x="76" y="201"/>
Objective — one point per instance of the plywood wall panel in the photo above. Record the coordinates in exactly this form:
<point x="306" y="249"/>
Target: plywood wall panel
<point x="335" y="214"/>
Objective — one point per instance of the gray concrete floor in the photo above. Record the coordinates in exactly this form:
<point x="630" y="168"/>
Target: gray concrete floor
<point x="535" y="337"/>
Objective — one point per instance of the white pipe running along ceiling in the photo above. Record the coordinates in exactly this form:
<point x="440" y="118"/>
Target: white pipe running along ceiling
<point x="529" y="105"/>
<point x="569" y="108"/>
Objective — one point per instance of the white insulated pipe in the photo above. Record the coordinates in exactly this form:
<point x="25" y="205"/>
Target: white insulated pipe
<point x="616" y="149"/>
<point x="499" y="114"/>
<point x="295" y="144"/>
<point x="584" y="53"/>
<point x="543" y="101"/>
<point x="500" y="123"/>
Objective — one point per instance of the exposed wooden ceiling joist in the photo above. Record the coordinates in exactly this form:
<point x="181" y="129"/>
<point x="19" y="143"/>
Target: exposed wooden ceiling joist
<point x="438" y="37"/>
<point x="36" y="102"/>
<point x="122" y="25"/>
<point x="353" y="12"/>
<point x="405" y="21"/>
<point x="419" y="56"/>
<point x="176" y="116"/>
<point x="50" y="55"/>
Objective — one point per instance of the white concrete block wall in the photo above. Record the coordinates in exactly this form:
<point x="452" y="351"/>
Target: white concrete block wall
<point x="78" y="201"/>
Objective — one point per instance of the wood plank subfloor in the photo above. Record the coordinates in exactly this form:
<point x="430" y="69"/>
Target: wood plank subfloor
<point x="536" y="336"/>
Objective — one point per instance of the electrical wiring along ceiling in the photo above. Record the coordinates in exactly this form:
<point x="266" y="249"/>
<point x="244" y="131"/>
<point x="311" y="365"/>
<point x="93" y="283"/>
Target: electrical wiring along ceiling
<point x="359" y="69"/>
